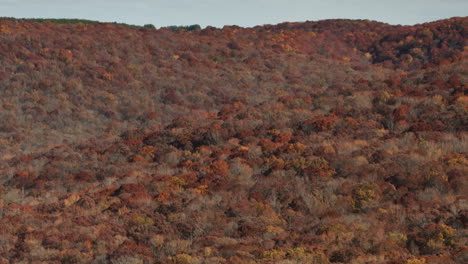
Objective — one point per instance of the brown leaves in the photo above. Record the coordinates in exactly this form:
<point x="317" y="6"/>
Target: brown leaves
<point x="270" y="147"/>
<point x="66" y="55"/>
<point x="219" y="167"/>
<point x="400" y="113"/>
<point x="24" y="179"/>
<point x="319" y="124"/>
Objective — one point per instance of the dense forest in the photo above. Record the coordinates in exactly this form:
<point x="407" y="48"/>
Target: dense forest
<point x="337" y="141"/>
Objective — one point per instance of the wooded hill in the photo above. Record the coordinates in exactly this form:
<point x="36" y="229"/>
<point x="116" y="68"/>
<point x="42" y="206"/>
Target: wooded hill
<point x="337" y="141"/>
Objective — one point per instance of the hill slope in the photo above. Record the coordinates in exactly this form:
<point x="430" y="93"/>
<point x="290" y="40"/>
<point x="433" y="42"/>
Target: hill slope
<point x="333" y="141"/>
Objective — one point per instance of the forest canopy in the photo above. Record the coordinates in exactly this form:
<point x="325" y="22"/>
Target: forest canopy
<point x="336" y="141"/>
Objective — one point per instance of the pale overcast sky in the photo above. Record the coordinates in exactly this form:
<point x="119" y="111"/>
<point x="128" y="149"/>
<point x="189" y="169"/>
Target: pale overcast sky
<point x="235" y="12"/>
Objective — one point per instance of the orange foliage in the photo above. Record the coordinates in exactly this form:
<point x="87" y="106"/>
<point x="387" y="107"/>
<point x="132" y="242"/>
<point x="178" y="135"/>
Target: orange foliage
<point x="333" y="141"/>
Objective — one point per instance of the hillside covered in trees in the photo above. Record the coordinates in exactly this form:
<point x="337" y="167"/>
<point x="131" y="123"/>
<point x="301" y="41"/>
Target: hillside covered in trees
<point x="335" y="141"/>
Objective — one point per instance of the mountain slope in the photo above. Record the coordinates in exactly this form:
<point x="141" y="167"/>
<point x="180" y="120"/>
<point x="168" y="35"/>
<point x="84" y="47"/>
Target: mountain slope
<point x="333" y="141"/>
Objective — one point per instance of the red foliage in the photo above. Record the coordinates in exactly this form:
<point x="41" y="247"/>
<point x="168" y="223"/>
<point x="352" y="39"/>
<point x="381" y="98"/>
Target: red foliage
<point x="278" y="143"/>
<point x="319" y="124"/>
<point x="400" y="113"/>
<point x="219" y="167"/>
<point x="131" y="188"/>
<point x="85" y="176"/>
<point x="24" y="179"/>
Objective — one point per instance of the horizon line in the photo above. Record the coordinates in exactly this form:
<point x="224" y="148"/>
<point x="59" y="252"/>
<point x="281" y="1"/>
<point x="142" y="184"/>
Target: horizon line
<point x="226" y="25"/>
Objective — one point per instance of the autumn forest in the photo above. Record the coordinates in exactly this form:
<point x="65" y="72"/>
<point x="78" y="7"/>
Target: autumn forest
<point x="334" y="141"/>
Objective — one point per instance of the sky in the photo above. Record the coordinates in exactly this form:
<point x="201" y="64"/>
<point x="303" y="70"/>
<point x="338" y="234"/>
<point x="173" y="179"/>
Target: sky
<point x="245" y="13"/>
